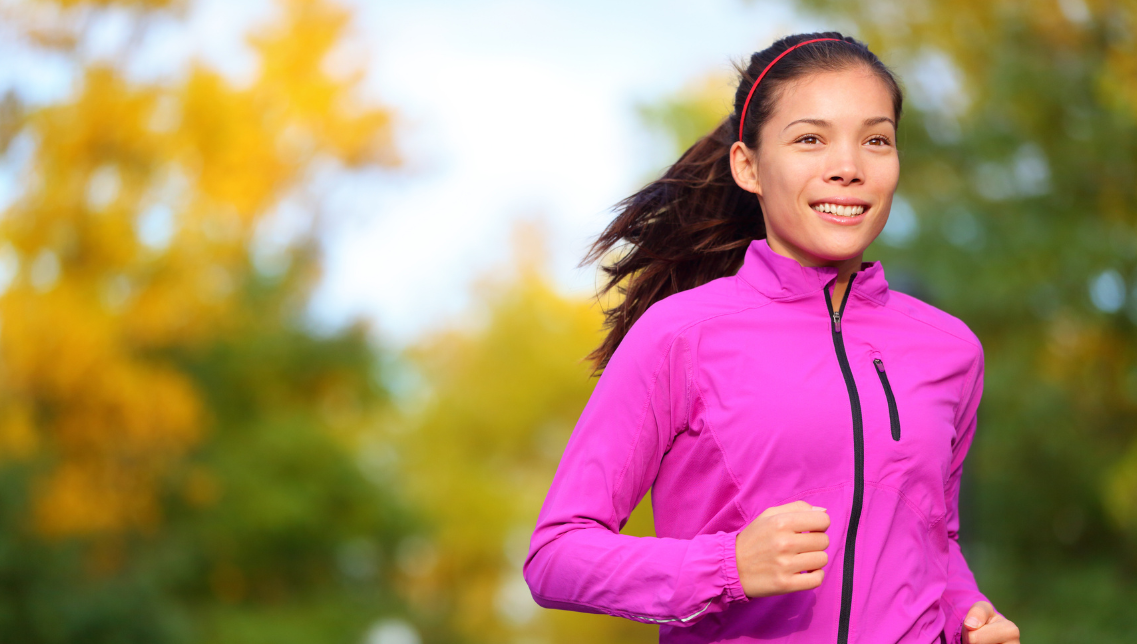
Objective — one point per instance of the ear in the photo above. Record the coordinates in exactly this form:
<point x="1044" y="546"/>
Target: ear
<point x="744" y="167"/>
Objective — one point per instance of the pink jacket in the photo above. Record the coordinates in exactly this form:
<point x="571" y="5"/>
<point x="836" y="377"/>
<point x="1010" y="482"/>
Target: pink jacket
<point x="750" y="392"/>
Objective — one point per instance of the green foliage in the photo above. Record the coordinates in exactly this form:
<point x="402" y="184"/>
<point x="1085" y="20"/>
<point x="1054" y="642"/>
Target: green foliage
<point x="295" y="542"/>
<point x="270" y="532"/>
<point x="49" y="598"/>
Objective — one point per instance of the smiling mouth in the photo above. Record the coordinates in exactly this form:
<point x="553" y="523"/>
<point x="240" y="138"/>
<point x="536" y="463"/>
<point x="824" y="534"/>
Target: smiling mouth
<point x="840" y="211"/>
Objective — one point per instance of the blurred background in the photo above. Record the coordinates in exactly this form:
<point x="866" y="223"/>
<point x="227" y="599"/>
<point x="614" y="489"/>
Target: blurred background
<point x="292" y="326"/>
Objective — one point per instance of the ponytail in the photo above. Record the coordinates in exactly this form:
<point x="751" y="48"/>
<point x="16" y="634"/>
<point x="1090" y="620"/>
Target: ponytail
<point x="694" y="224"/>
<point x="688" y="227"/>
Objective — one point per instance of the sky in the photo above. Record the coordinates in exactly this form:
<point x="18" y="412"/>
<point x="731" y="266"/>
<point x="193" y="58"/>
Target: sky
<point x="506" y="112"/>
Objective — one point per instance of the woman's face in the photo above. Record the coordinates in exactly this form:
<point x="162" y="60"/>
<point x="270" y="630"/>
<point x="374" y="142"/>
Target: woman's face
<point x="829" y="145"/>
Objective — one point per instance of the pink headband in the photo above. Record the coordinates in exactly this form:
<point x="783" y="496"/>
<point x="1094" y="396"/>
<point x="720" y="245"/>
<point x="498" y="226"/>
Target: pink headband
<point x="742" y="120"/>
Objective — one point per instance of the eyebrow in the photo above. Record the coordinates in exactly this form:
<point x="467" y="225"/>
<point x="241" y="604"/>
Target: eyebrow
<point x="823" y="123"/>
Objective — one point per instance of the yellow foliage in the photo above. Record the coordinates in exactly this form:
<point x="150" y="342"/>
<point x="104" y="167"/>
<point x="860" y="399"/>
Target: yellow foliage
<point x="95" y="311"/>
<point x="18" y="439"/>
<point x="84" y="495"/>
<point x="1121" y="491"/>
<point x="505" y="393"/>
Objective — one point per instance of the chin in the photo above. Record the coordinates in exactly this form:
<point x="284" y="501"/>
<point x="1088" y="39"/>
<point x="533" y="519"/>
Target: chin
<point x="838" y="250"/>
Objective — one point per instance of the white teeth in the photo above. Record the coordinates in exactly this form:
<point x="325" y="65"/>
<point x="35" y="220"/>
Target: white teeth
<point x="841" y="211"/>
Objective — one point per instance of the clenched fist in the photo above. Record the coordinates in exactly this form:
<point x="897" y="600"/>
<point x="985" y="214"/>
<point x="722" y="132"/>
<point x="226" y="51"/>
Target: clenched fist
<point x="986" y="626"/>
<point x="783" y="550"/>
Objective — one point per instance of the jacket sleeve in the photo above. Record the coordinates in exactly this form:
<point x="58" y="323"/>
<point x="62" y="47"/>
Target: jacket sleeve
<point x="962" y="592"/>
<point x="578" y="560"/>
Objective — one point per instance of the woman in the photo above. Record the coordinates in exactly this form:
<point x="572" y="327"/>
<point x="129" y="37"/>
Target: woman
<point x="802" y="427"/>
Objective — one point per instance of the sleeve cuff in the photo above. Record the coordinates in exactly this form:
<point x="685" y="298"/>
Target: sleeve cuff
<point x="732" y="587"/>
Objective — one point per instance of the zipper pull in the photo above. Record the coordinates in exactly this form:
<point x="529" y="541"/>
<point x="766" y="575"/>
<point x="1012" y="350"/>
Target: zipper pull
<point x="837" y="321"/>
<point x="879" y="364"/>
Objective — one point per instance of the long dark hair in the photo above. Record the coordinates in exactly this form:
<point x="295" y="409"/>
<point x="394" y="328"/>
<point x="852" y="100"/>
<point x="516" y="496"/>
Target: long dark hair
<point x="693" y="224"/>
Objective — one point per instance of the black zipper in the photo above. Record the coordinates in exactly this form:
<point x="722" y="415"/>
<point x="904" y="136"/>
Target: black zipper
<point x="893" y="415"/>
<point x="859" y="454"/>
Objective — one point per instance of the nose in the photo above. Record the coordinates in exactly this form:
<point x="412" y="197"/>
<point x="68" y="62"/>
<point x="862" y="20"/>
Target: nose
<point x="843" y="165"/>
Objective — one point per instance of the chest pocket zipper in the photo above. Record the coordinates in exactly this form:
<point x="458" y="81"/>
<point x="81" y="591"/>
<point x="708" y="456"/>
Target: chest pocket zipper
<point x="893" y="415"/>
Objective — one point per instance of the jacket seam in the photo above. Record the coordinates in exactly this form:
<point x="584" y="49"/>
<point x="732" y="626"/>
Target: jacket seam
<point x="752" y="286"/>
<point x="865" y="296"/>
<point x="959" y="616"/>
<point x="903" y="497"/>
<point x="722" y="453"/>
<point x="690" y="325"/>
<point x="686" y="390"/>
<point x="630" y="615"/>
<point x="934" y="326"/>
<point x="930" y="522"/>
<point x="803" y="493"/>
<point x="972" y="376"/>
<point x="939" y="520"/>
<point x="640" y="426"/>
<point x="796" y="296"/>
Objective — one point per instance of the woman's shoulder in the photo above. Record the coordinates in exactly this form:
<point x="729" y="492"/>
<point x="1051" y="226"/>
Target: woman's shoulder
<point x="670" y="316"/>
<point x="933" y="317"/>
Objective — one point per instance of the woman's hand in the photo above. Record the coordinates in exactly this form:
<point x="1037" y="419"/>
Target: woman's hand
<point x="984" y="626"/>
<point x="783" y="550"/>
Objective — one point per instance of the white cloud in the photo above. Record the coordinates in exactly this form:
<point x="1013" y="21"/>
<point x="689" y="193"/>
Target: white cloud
<point x="510" y="110"/>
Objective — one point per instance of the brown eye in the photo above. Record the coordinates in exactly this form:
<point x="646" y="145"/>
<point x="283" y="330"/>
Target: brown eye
<point x="883" y="140"/>
<point x="807" y="136"/>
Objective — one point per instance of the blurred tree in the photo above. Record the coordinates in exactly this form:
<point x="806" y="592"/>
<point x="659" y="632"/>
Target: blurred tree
<point x="686" y="116"/>
<point x="503" y="396"/>
<point x="176" y="447"/>
<point x="1016" y="213"/>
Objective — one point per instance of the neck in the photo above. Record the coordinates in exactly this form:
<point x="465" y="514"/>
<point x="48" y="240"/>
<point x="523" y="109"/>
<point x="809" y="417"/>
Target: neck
<point x="845" y="267"/>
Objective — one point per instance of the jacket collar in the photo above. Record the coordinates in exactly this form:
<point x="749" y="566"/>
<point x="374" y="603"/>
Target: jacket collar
<point x="779" y="277"/>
